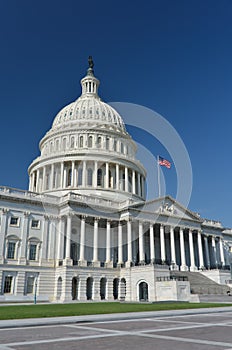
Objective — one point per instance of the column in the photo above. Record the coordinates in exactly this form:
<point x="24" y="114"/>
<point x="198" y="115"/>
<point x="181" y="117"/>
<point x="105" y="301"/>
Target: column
<point x="82" y="242"/>
<point x="183" y="266"/>
<point x="60" y="245"/>
<point x="214" y="255"/>
<point x="107" y="175"/>
<point x="141" y="244"/>
<point x="73" y="174"/>
<point x="120" y="255"/>
<point x="108" y="242"/>
<point x="191" y="248"/>
<point x="129" y="244"/>
<point x="139" y="186"/>
<point x="200" y="250"/>
<point x="173" y="249"/>
<point x="84" y="174"/>
<point x="3" y="230"/>
<point x="221" y="251"/>
<point x="52" y="239"/>
<point x="95" y="175"/>
<point x="152" y="244"/>
<point x="68" y="238"/>
<point x="207" y="252"/>
<point x="44" y="247"/>
<point x="95" y="243"/>
<point x="52" y="177"/>
<point x="37" y="181"/>
<point x="126" y="179"/>
<point x="44" y="178"/>
<point x="24" y="234"/>
<point x="65" y="177"/>
<point x="61" y="174"/>
<point x="32" y="181"/>
<point x="117" y="177"/>
<point x="162" y="244"/>
<point x="133" y="182"/>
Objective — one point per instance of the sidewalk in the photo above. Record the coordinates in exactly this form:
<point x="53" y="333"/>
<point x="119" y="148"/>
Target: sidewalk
<point x="33" y="322"/>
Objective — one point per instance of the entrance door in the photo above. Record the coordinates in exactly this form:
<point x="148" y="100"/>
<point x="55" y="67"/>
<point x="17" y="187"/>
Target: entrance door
<point x="74" y="288"/>
<point x="143" y="291"/>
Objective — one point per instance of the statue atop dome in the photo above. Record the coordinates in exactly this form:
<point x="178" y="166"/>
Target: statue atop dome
<point x="90" y="60"/>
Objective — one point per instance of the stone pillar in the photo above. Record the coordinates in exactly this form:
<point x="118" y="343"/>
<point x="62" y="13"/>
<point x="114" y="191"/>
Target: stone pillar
<point x="43" y="256"/>
<point x="24" y="235"/>
<point x="120" y="254"/>
<point x="60" y="246"/>
<point x="61" y="174"/>
<point x="108" y="243"/>
<point x="129" y="244"/>
<point x="222" y="257"/>
<point x="65" y="177"/>
<point x="84" y="174"/>
<point x="207" y="252"/>
<point x="68" y="240"/>
<point x="82" y="260"/>
<point x="37" y="181"/>
<point x="133" y="182"/>
<point x="82" y="288"/>
<point x="95" y="175"/>
<point x="95" y="243"/>
<point x="200" y="250"/>
<point x="141" y="244"/>
<point x="214" y="254"/>
<point x="52" y="176"/>
<point x="183" y="266"/>
<point x="107" y="176"/>
<point x="126" y="179"/>
<point x="3" y="229"/>
<point x="52" y="239"/>
<point x="96" y="289"/>
<point x="173" y="249"/>
<point x="191" y="248"/>
<point x="152" y="244"/>
<point x="32" y="181"/>
<point x="44" y="178"/>
<point x="73" y="174"/>
<point x="139" y="186"/>
<point x="162" y="244"/>
<point x="117" y="177"/>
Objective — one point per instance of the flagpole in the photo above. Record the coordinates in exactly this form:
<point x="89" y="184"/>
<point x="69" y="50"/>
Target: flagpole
<point x="158" y="169"/>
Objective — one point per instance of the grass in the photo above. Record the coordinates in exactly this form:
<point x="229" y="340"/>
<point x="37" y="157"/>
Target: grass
<point x="78" y="309"/>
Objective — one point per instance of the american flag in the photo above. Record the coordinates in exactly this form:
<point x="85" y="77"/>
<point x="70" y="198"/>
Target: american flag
<point x="164" y="162"/>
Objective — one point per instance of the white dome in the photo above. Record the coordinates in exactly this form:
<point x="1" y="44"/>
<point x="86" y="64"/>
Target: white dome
<point x="89" y="109"/>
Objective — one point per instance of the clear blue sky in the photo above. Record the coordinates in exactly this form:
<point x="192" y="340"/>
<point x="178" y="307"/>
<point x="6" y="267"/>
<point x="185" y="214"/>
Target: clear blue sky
<point x="173" y="56"/>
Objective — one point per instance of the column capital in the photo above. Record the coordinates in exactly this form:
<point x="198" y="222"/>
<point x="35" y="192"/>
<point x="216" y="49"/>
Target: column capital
<point x="97" y="219"/>
<point x="26" y="213"/>
<point x="4" y="211"/>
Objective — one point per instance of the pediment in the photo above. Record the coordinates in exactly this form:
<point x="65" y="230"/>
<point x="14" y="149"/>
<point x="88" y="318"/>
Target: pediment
<point x="167" y="206"/>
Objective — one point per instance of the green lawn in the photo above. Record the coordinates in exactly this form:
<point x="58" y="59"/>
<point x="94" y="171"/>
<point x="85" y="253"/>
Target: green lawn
<point x="78" y="309"/>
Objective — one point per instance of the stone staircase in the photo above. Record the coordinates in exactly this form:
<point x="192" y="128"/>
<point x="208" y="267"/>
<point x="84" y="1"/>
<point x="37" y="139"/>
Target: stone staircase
<point x="200" y="284"/>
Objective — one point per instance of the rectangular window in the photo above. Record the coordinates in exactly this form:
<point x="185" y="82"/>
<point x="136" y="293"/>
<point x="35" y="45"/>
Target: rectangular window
<point x="8" y="284"/>
<point x="32" y="252"/>
<point x="14" y="221"/>
<point x="30" y="284"/>
<point x="35" y="223"/>
<point x="11" y="250"/>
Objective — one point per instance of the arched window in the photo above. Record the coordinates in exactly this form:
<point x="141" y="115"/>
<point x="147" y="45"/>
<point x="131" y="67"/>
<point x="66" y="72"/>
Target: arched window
<point x="81" y="141"/>
<point x="90" y="141"/>
<point x="122" y="148"/>
<point x="99" y="142"/>
<point x="79" y="180"/>
<point x="64" y="144"/>
<point x="99" y="177"/>
<point x="107" y="143"/>
<point x="90" y="177"/>
<point x="72" y="142"/>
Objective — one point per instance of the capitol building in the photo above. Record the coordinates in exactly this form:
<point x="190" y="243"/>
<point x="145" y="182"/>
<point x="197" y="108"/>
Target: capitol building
<point x="84" y="230"/>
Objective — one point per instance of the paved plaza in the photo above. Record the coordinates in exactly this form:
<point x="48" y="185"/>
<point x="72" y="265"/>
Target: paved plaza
<point x="198" y="331"/>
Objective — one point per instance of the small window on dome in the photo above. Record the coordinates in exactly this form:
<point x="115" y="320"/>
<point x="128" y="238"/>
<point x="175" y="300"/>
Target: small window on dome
<point x="99" y="141"/>
<point x="97" y="111"/>
<point x="90" y="177"/>
<point x="115" y="145"/>
<point x="79" y="177"/>
<point x="107" y="142"/>
<point x="81" y="142"/>
<point x="72" y="142"/>
<point x="90" y="141"/>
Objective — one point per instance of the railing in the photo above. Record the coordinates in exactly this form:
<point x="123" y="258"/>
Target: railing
<point x="14" y="192"/>
<point x="171" y="278"/>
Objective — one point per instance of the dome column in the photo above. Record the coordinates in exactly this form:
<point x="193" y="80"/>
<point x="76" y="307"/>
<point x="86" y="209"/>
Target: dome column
<point x="44" y="178"/>
<point x="126" y="179"/>
<point x="61" y="174"/>
<point x="95" y="174"/>
<point x="107" y="175"/>
<point x="139" y="185"/>
<point x="133" y="182"/>
<point x="117" y="176"/>
<point x="52" y="177"/>
<point x="73" y="174"/>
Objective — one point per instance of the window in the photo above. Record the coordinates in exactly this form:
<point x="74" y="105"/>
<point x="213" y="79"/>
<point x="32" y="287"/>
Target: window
<point x="32" y="251"/>
<point x="8" y="284"/>
<point x="107" y="143"/>
<point x="11" y="250"/>
<point x="99" y="141"/>
<point x="115" y="145"/>
<point x="90" y="141"/>
<point x="81" y="141"/>
<point x="72" y="142"/>
<point x="99" y="177"/>
<point x="14" y="221"/>
<point x="30" y="284"/>
<point x="79" y="180"/>
<point x="35" y="223"/>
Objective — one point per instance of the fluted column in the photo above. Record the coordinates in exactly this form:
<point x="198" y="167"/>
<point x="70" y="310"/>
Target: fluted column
<point x="141" y="244"/>
<point x="152" y="244"/>
<point x="117" y="177"/>
<point x="61" y="174"/>
<point x="108" y="242"/>
<point x="120" y="255"/>
<point x="133" y="182"/>
<point x="73" y="174"/>
<point x="95" y="241"/>
<point x="126" y="179"/>
<point x="222" y="257"/>
<point x="52" y="177"/>
<point x="82" y="242"/>
<point x="173" y="249"/>
<point x="44" y="178"/>
<point x="32" y="181"/>
<point x="207" y="251"/>
<point x="129" y="244"/>
<point x="214" y="255"/>
<point x="107" y="175"/>
<point x="84" y="174"/>
<point x="95" y="175"/>
<point x="68" y="238"/>
<point x="183" y="266"/>
<point x="3" y="229"/>
<point x="200" y="250"/>
<point x="60" y="248"/>
<point x="37" y="181"/>
<point x="139" y="185"/>
<point x="65" y="177"/>
<point x="191" y="248"/>
<point x="162" y="244"/>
